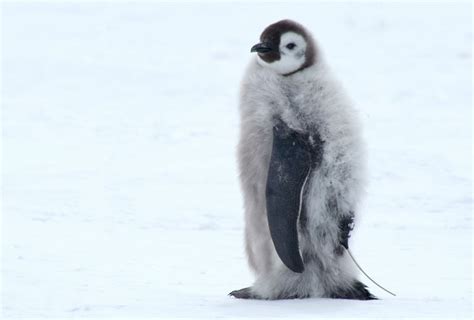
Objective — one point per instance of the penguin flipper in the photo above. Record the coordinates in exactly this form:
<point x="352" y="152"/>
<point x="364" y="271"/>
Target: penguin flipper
<point x="290" y="166"/>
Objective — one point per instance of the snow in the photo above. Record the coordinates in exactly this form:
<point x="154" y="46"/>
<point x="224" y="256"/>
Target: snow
<point x="120" y="194"/>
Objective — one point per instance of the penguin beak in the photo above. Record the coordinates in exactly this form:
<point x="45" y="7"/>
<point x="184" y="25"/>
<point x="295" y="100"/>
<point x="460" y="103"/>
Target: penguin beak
<point x="263" y="47"/>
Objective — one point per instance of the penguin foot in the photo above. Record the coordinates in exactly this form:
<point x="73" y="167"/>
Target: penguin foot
<point x="358" y="291"/>
<point x="245" y="293"/>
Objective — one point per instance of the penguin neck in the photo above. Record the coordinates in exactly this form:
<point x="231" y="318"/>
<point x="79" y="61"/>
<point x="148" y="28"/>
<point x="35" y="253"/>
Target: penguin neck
<point x="299" y="82"/>
<point x="299" y="90"/>
<point x="305" y="74"/>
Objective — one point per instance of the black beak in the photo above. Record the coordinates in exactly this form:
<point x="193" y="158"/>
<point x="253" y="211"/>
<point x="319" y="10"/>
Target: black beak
<point x="261" y="48"/>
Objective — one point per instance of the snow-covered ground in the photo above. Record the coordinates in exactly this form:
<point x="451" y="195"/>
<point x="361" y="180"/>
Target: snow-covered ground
<point x="120" y="194"/>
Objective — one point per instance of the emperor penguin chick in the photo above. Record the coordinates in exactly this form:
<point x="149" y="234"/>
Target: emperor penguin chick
<point x="301" y="161"/>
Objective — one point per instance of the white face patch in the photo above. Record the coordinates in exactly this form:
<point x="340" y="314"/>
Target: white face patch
<point x="292" y="54"/>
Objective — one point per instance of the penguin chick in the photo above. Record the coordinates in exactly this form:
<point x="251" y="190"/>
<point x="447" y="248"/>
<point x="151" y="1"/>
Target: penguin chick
<point x="302" y="171"/>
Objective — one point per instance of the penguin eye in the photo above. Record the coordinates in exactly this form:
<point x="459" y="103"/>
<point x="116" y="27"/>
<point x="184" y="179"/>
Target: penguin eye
<point x="291" y="46"/>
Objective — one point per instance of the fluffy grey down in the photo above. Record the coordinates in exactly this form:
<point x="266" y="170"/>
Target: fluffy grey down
<point x="307" y="100"/>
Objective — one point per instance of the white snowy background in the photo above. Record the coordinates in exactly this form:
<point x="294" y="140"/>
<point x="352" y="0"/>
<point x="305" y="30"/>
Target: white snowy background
<point x="120" y="194"/>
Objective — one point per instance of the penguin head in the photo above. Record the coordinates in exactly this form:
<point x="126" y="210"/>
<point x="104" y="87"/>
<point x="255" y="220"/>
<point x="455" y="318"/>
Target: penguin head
<point x="285" y="47"/>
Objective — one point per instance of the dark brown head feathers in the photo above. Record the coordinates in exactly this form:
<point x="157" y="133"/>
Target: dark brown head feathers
<point x="273" y="33"/>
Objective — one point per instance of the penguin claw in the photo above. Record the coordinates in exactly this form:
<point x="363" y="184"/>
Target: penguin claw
<point x="358" y="291"/>
<point x="245" y="293"/>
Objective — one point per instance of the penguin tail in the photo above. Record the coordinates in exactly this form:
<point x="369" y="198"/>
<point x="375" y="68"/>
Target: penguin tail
<point x="356" y="291"/>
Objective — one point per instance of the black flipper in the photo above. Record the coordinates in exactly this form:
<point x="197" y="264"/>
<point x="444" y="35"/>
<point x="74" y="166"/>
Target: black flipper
<point x="293" y="157"/>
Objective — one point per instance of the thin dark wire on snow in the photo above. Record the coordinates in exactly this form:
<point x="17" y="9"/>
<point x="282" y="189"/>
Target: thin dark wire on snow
<point x="365" y="274"/>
